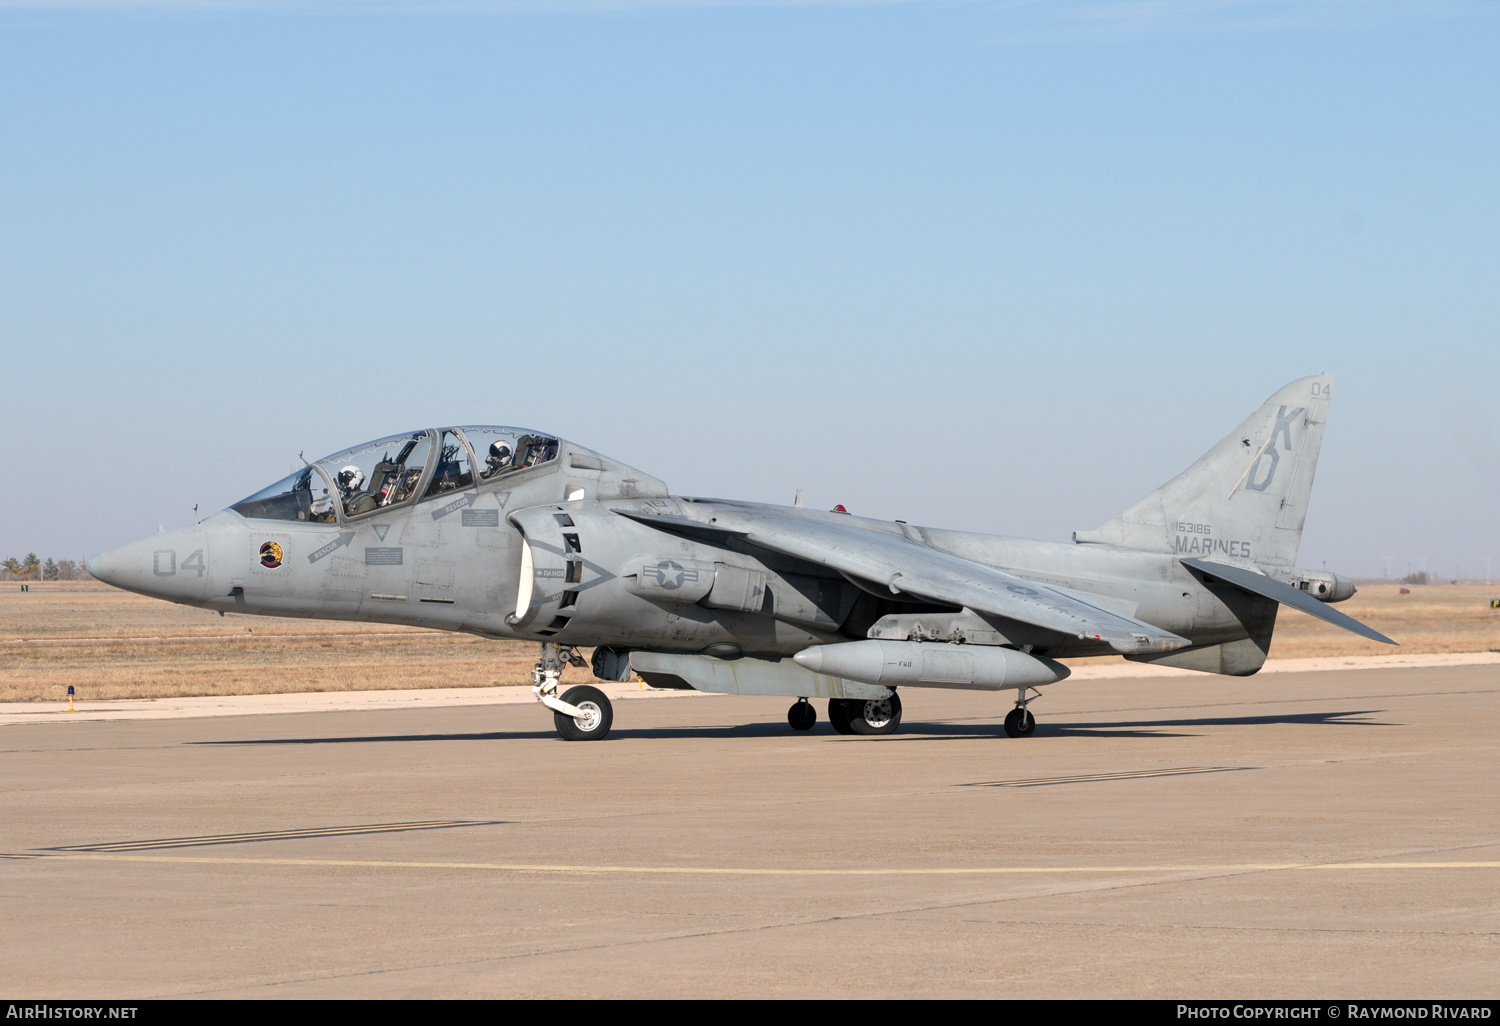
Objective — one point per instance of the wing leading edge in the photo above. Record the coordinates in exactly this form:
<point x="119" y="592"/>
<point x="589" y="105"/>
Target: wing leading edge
<point x="905" y="567"/>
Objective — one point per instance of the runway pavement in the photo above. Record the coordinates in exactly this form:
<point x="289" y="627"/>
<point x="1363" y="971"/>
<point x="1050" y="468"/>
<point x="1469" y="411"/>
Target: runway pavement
<point x="1320" y="834"/>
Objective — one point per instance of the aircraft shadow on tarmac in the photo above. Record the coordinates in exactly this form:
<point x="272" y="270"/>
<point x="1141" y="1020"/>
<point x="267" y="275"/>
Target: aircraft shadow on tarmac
<point x="910" y="731"/>
<point x="727" y="730"/>
<point x="1153" y="728"/>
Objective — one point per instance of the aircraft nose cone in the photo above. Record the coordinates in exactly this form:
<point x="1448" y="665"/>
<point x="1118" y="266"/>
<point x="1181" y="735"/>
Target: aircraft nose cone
<point x="106" y="566"/>
<point x="168" y="564"/>
<point x="128" y="566"/>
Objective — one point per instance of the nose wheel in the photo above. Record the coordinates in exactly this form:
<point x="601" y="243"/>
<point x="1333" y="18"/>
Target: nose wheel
<point x="594" y="717"/>
<point x="582" y="713"/>
<point x="802" y="716"/>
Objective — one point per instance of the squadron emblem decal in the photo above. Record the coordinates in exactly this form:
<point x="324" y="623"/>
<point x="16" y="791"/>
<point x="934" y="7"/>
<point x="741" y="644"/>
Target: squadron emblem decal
<point x="270" y="555"/>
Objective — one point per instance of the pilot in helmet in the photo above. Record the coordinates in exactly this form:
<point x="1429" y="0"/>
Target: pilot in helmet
<point x="499" y="456"/>
<point x="350" y="480"/>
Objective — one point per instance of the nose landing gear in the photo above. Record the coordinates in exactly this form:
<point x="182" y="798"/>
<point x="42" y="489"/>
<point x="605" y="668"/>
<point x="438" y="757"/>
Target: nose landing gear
<point x="1019" y="722"/>
<point x="582" y="713"/>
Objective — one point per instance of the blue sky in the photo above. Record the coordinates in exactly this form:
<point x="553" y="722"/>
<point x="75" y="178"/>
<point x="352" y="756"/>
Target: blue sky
<point x="998" y="266"/>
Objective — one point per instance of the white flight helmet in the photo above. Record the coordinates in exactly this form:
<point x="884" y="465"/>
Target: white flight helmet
<point x="351" y="478"/>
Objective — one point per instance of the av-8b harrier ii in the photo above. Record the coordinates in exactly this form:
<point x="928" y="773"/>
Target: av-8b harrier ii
<point x="513" y="534"/>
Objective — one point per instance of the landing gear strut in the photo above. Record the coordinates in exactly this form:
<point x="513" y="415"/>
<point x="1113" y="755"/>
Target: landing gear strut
<point x="802" y="716"/>
<point x="582" y="713"/>
<point x="1019" y="722"/>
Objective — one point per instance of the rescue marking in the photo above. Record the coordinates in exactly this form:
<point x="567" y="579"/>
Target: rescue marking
<point x="269" y="835"/>
<point x="462" y="502"/>
<point x="344" y="538"/>
<point x="521" y="867"/>
<point x="1086" y="778"/>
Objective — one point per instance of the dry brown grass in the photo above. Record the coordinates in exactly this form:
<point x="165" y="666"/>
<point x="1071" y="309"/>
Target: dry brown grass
<point x="1433" y="618"/>
<point x="111" y="644"/>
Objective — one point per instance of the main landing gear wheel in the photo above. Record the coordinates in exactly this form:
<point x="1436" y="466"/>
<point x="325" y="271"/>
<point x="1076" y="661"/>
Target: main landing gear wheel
<point x="1019" y="722"/>
<point x="838" y="715"/>
<point x="802" y="716"/>
<point x="876" y="716"/>
<point x="597" y="716"/>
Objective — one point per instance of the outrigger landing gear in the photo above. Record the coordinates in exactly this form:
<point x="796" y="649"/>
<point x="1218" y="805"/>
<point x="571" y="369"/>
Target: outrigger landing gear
<point x="582" y="713"/>
<point x="1019" y="722"/>
<point x="802" y="716"/>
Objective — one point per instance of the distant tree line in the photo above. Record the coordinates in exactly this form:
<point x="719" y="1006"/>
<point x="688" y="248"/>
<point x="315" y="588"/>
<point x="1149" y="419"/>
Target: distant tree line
<point x="31" y="568"/>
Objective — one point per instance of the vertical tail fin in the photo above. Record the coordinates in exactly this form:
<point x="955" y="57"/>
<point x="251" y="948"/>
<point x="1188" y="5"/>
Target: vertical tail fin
<point x="1246" y="498"/>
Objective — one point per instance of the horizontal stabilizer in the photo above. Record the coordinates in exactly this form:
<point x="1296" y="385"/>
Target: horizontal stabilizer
<point x="1277" y="591"/>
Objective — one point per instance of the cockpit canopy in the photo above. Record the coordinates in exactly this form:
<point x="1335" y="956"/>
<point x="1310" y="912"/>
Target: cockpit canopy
<point x="394" y="471"/>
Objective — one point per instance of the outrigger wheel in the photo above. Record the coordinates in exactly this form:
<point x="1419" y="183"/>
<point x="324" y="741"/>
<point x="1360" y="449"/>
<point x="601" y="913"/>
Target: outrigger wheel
<point x="1019" y="722"/>
<point x="597" y="716"/>
<point x="802" y="716"/>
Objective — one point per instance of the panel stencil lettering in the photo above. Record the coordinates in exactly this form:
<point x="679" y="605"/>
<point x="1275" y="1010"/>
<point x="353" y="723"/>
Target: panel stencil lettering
<point x="383" y="556"/>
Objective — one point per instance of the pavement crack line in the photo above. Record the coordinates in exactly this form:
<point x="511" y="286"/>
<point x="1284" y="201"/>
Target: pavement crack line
<point x="1209" y="928"/>
<point x="674" y="937"/>
<point x="1250" y="703"/>
<point x="567" y="869"/>
<point x="572" y="949"/>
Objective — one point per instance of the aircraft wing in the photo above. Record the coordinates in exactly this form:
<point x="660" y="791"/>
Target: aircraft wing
<point x="910" y="568"/>
<point x="1279" y="591"/>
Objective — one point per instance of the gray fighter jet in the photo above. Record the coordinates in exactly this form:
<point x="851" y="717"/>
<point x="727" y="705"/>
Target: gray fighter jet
<point x="507" y="533"/>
